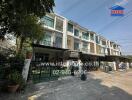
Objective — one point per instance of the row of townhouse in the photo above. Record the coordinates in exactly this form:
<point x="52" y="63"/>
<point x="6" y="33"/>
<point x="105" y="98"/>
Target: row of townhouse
<point x="66" y="40"/>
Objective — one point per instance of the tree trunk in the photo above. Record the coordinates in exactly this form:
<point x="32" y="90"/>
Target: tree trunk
<point x="21" y="45"/>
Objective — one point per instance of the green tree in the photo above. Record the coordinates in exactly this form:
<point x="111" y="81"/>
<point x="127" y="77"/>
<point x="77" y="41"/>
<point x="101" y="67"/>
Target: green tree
<point x="21" y="18"/>
<point x="30" y="29"/>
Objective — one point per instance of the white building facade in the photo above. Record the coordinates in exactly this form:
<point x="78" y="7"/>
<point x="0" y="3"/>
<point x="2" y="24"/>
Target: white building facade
<point x="62" y="35"/>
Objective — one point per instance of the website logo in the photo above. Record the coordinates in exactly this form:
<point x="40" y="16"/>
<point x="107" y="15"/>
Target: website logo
<point x="117" y="10"/>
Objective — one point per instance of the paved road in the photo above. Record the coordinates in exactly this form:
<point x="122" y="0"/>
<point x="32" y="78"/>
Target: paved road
<point x="98" y="86"/>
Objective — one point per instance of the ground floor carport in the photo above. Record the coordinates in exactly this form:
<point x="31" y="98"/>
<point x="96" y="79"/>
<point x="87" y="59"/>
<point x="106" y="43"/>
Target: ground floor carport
<point x="90" y="62"/>
<point x="46" y="60"/>
<point x="114" y="61"/>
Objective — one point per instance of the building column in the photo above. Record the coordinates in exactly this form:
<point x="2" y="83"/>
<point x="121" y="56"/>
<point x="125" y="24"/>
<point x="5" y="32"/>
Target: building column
<point x="64" y="43"/>
<point x="52" y="38"/>
<point x="80" y="65"/>
<point x="95" y="44"/>
<point x="114" y="65"/>
<point x="54" y="22"/>
<point x="127" y="65"/>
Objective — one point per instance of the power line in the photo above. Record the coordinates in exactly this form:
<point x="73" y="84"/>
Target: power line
<point x="116" y="20"/>
<point x="126" y="52"/>
<point x="97" y="8"/>
<point x="124" y="42"/>
<point x="125" y="39"/>
<point x="77" y="3"/>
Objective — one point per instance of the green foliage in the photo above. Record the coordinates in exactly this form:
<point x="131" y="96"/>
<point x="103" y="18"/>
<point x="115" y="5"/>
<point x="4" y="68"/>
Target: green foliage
<point x="13" y="14"/>
<point x="29" y="28"/>
<point x="17" y="63"/>
<point x="3" y="58"/>
<point x="15" y="78"/>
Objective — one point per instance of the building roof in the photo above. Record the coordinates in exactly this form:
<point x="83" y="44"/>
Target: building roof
<point x="117" y="7"/>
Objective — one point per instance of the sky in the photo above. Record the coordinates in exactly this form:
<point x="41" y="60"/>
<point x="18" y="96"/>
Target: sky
<point x="95" y="16"/>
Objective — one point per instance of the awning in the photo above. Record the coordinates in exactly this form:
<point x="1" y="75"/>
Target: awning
<point x="88" y="57"/>
<point x="112" y="58"/>
<point x="48" y="47"/>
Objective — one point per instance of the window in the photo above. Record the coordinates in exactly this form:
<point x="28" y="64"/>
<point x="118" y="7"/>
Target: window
<point x="102" y="50"/>
<point x="85" y="47"/>
<point x="59" y="24"/>
<point x="47" y="40"/>
<point x="91" y="36"/>
<point x="76" y="32"/>
<point x="103" y="42"/>
<point x="58" y="42"/>
<point x="97" y="39"/>
<point x="85" y="35"/>
<point x="70" y="27"/>
<point x="48" y="21"/>
<point x="114" y="46"/>
<point x="76" y="46"/>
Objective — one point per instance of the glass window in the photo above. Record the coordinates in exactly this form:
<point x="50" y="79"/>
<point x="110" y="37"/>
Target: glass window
<point x="76" y="46"/>
<point x="48" y="21"/>
<point x="58" y="42"/>
<point x="97" y="39"/>
<point x="103" y="42"/>
<point x="91" y="36"/>
<point x="70" y="27"/>
<point x="85" y="35"/>
<point x="102" y="50"/>
<point x="85" y="47"/>
<point x="47" y="40"/>
<point x="59" y="24"/>
<point x="76" y="32"/>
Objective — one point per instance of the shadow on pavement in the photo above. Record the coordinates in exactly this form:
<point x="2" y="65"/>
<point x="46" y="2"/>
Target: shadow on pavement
<point x="71" y="89"/>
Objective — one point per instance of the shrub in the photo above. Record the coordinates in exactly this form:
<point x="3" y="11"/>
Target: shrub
<point x="17" y="63"/>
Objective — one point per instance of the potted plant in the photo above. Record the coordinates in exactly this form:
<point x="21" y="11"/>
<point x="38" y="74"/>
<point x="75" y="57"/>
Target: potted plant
<point x="14" y="81"/>
<point x="28" y="55"/>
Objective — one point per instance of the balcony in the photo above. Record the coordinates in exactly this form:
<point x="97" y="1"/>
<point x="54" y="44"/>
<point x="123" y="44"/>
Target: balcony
<point x="49" y="43"/>
<point x="85" y="50"/>
<point x="58" y="45"/>
<point x="76" y="32"/>
<point x="46" y="43"/>
<point x="59" y="25"/>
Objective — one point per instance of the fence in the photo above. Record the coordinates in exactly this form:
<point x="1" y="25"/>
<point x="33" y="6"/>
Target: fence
<point x="42" y="71"/>
<point x="4" y="69"/>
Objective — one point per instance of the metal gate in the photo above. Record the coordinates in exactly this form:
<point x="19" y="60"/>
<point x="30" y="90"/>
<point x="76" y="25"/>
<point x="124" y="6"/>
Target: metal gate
<point x="45" y="71"/>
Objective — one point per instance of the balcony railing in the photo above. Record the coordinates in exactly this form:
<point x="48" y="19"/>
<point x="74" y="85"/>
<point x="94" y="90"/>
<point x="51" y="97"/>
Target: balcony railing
<point x="85" y="50"/>
<point x="58" y="45"/>
<point x="77" y="49"/>
<point x="46" y="43"/>
<point x="49" y="43"/>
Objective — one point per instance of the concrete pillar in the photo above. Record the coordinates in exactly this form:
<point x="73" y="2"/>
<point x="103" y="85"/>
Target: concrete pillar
<point x="127" y="65"/>
<point x="114" y="65"/>
<point x="68" y="63"/>
<point x="80" y="65"/>
<point x="54" y="22"/>
<point x="64" y="40"/>
<point x="95" y="44"/>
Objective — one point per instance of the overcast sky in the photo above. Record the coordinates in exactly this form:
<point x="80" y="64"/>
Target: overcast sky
<point x="95" y="15"/>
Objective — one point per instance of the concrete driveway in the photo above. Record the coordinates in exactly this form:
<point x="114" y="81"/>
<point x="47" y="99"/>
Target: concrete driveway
<point x="98" y="86"/>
